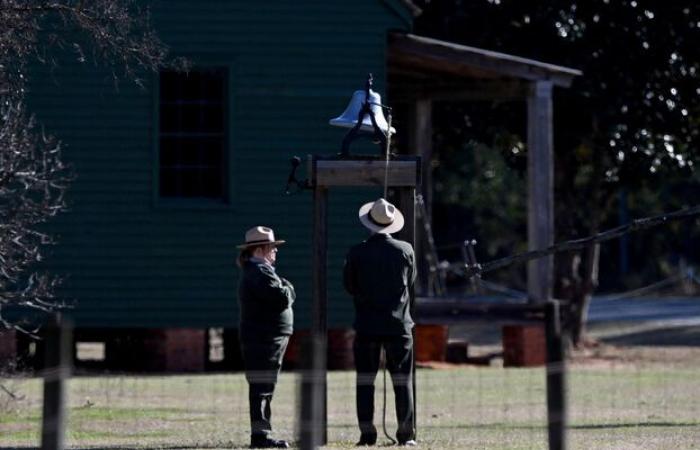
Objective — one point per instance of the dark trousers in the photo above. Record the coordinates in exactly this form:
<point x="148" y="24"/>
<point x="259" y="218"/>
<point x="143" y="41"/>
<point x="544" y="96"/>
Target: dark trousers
<point x="399" y="361"/>
<point x="262" y="359"/>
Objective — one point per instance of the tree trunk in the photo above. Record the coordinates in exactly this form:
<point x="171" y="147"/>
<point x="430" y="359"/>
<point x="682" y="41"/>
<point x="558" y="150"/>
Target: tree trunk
<point x="576" y="283"/>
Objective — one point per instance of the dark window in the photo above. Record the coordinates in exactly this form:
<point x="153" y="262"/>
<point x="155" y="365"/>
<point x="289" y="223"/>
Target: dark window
<point x="193" y="134"/>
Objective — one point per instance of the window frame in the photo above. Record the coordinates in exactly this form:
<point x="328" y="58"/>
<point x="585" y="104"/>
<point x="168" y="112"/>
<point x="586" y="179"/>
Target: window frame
<point x="195" y="203"/>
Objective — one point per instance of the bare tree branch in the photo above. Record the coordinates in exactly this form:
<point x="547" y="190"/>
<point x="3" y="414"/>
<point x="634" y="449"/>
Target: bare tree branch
<point x="33" y="176"/>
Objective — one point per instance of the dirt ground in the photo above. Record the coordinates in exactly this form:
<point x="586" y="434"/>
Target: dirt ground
<point x="609" y="344"/>
<point x="641" y="343"/>
<point x="602" y="355"/>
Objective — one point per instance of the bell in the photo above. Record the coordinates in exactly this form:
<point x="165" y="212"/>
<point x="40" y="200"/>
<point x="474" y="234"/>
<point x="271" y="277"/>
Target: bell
<point x="349" y="117"/>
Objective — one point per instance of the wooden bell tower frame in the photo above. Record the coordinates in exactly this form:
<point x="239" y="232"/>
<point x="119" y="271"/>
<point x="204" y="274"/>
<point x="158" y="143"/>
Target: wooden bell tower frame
<point x="403" y="176"/>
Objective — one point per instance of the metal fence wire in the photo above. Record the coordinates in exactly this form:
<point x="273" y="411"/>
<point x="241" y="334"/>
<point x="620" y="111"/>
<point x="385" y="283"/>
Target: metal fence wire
<point x="635" y="386"/>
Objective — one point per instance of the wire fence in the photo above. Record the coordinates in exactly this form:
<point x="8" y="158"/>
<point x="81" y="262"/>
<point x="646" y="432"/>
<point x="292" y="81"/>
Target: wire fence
<point x="457" y="408"/>
<point x="613" y="404"/>
<point x="635" y="386"/>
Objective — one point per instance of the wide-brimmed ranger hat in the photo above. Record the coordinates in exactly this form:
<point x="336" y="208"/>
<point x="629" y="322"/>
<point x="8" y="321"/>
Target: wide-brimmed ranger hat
<point x="381" y="216"/>
<point x="259" y="236"/>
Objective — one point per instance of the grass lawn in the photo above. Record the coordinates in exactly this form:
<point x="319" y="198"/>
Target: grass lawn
<point x="613" y="405"/>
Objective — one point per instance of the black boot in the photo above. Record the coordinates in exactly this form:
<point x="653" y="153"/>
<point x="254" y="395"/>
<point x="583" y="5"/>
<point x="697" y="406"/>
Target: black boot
<point x="266" y="442"/>
<point x="367" y="439"/>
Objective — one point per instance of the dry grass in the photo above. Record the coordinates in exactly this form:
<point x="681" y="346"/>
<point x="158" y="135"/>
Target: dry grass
<point x="639" y="398"/>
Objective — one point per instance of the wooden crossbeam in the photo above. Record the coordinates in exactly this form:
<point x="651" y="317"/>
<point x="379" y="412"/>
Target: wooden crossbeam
<point x="434" y="310"/>
<point x="403" y="171"/>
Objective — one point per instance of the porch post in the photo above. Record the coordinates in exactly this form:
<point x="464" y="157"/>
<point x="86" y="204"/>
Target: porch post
<point x="420" y="140"/>
<point x="540" y="155"/>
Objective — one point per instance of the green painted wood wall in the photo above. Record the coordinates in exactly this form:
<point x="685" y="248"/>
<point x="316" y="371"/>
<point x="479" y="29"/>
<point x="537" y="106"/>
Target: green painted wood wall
<point x="130" y="260"/>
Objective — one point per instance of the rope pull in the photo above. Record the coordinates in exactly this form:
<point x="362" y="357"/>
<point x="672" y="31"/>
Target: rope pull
<point x="388" y="146"/>
<point x="386" y="433"/>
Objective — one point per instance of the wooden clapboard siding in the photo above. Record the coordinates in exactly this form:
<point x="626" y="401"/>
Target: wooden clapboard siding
<point x="131" y="260"/>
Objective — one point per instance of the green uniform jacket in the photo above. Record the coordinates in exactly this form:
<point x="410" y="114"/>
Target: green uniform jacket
<point x="266" y="302"/>
<point x="379" y="273"/>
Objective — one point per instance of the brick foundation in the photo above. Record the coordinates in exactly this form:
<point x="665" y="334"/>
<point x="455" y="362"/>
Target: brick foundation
<point x="183" y="350"/>
<point x="148" y="350"/>
<point x="431" y="342"/>
<point x="524" y="346"/>
<point x="339" y="343"/>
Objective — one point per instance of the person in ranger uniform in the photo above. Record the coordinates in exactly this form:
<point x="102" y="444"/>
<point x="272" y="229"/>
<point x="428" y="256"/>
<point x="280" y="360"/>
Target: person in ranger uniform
<point x="266" y="322"/>
<point x="379" y="274"/>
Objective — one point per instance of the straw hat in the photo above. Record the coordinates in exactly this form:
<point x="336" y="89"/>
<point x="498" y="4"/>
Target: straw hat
<point x="381" y="217"/>
<point x="260" y="236"/>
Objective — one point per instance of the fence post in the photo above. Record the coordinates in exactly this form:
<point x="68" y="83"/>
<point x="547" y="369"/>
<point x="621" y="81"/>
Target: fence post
<point x="556" y="378"/>
<point x="312" y="431"/>
<point x="314" y="413"/>
<point x="56" y="371"/>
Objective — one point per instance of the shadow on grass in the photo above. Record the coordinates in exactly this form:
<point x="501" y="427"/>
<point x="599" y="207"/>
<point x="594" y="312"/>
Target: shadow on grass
<point x="501" y="426"/>
<point x="632" y="425"/>
<point x="154" y="447"/>
<point x="671" y="336"/>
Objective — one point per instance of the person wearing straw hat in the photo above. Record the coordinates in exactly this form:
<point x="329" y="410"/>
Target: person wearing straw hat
<point x="266" y="322"/>
<point x="379" y="273"/>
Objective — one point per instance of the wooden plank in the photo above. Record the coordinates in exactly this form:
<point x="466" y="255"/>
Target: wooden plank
<point x="408" y="88"/>
<point x="357" y="172"/>
<point x="432" y="310"/>
<point x="540" y="172"/>
<point x="433" y="54"/>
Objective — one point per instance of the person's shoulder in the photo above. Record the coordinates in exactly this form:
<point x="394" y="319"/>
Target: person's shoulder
<point x="360" y="245"/>
<point x="259" y="267"/>
<point x="402" y="246"/>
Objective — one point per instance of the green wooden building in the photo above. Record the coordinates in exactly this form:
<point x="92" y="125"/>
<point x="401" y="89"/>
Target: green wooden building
<point x="171" y="174"/>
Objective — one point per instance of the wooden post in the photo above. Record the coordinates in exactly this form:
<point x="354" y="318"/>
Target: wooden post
<point x="420" y="139"/>
<point x="56" y="370"/>
<point x="319" y="320"/>
<point x="556" y="378"/>
<point x="404" y="174"/>
<point x="313" y="395"/>
<point x="540" y="229"/>
<point x="407" y="205"/>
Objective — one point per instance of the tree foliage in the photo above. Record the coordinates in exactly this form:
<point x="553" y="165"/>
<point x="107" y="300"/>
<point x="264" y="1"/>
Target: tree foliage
<point x="33" y="176"/>
<point x="639" y="95"/>
<point x="630" y="124"/>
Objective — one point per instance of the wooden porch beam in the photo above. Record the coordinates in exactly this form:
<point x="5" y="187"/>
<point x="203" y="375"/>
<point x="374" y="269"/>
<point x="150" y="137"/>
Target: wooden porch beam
<point x="464" y="91"/>
<point x="449" y="57"/>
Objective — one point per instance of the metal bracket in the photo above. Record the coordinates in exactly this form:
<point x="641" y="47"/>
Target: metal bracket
<point x="292" y="181"/>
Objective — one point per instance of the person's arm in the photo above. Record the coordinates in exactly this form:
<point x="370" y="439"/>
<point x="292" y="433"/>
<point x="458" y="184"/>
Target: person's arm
<point x="289" y="285"/>
<point x="414" y="272"/>
<point x="271" y="287"/>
